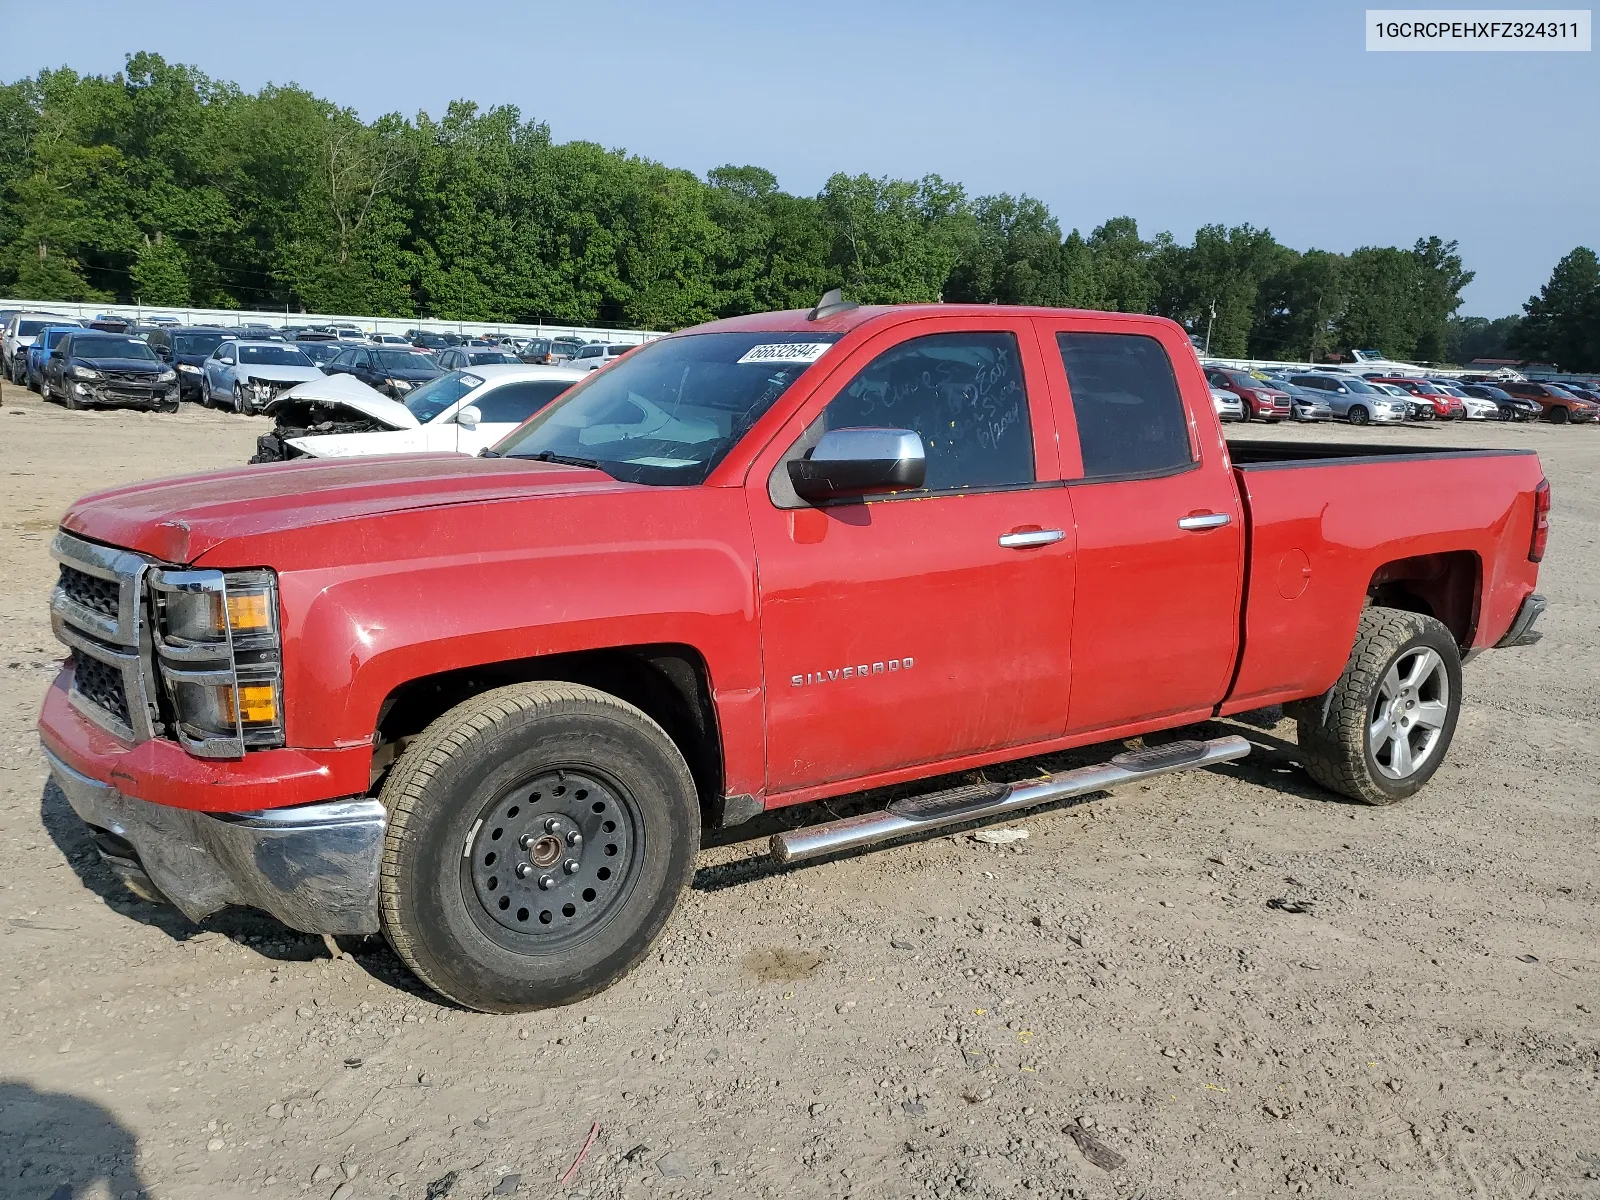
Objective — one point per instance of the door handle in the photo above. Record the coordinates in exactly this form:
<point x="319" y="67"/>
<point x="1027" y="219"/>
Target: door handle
<point x="1204" y="521"/>
<point x="1031" y="537"/>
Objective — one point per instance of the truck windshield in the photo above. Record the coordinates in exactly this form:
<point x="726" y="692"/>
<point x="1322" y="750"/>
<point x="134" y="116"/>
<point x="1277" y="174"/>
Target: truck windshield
<point x="670" y="412"/>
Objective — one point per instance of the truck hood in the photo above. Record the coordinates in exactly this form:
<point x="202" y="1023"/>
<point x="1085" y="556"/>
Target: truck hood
<point x="181" y="520"/>
<point x="336" y="392"/>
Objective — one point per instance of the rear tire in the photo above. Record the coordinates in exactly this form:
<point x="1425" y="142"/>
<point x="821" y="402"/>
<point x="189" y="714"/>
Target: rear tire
<point x="1383" y="729"/>
<point x="1358" y="415"/>
<point x="472" y="898"/>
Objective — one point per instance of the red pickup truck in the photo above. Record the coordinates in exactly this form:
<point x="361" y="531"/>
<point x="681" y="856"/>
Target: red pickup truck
<point x="486" y="705"/>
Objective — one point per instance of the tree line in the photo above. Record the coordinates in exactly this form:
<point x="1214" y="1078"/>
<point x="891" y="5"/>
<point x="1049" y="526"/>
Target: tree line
<point x="163" y="186"/>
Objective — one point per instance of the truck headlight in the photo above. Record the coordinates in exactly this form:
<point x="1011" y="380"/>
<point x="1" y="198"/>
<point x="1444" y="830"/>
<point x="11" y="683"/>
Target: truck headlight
<point x="189" y="368"/>
<point x="220" y="655"/>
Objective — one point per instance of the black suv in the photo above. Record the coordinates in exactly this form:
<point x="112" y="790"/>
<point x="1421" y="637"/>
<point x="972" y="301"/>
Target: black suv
<point x="91" y="368"/>
<point x="394" y="372"/>
<point x="185" y="348"/>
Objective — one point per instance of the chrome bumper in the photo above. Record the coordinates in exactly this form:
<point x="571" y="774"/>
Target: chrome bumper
<point x="314" y="866"/>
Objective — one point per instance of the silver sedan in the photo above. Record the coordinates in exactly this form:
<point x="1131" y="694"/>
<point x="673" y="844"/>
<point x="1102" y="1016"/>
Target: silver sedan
<point x="246" y="376"/>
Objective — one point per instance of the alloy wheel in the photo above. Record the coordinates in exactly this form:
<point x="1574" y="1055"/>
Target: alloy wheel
<point x="1408" y="713"/>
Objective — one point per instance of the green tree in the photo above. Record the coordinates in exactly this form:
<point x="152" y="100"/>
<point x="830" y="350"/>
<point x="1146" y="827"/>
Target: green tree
<point x="161" y="273"/>
<point x="1562" y="324"/>
<point x="1298" y="306"/>
<point x="1013" y="255"/>
<point x="894" y="241"/>
<point x="1220" y="274"/>
<point x="1124" y="272"/>
<point x="1440" y="277"/>
<point x="1467" y="338"/>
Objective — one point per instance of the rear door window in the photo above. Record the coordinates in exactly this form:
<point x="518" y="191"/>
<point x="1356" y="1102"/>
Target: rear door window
<point x="963" y="393"/>
<point x="1131" y="419"/>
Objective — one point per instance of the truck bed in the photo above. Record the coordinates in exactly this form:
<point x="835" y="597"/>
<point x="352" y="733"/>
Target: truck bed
<point x="1329" y="525"/>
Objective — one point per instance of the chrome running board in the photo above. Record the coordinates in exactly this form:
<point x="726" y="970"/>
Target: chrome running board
<point x="980" y="801"/>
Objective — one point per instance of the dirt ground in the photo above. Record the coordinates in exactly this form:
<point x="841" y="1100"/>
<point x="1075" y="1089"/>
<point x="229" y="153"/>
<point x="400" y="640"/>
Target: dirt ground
<point x="1225" y="983"/>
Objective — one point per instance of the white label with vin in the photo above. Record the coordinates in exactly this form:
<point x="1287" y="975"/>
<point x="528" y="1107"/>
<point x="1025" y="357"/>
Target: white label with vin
<point x="786" y="352"/>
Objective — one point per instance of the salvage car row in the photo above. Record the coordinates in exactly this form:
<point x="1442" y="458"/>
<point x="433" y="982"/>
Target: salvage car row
<point x="1377" y="398"/>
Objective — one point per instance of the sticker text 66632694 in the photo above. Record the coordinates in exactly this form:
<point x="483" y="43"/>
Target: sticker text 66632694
<point x="785" y="352"/>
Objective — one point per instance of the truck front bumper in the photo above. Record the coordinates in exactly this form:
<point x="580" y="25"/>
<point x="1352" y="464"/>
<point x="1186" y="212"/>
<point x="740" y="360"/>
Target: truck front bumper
<point x="312" y="866"/>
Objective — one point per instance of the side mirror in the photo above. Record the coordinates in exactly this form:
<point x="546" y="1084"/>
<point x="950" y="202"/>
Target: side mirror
<point x="164" y="353"/>
<point x="469" y="416"/>
<point x="1341" y="390"/>
<point x="848" y="463"/>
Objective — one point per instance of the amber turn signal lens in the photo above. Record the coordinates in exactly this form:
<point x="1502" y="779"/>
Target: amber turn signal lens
<point x="258" y="704"/>
<point x="248" y="612"/>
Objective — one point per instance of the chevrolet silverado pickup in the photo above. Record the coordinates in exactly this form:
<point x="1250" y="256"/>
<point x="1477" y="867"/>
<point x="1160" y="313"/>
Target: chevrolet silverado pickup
<point x="485" y="706"/>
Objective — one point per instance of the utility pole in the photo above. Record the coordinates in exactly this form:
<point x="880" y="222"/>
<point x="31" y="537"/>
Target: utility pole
<point x="1209" y="320"/>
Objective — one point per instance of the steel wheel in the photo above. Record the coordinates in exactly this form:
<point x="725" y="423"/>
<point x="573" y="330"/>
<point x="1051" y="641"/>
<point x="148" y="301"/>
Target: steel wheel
<point x="1408" y="713"/>
<point x="551" y="860"/>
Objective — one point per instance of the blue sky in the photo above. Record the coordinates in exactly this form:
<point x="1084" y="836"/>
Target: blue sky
<point x="1178" y="114"/>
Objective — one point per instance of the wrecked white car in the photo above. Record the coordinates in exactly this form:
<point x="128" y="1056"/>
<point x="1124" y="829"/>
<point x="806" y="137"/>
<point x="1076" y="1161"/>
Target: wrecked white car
<point x="462" y="412"/>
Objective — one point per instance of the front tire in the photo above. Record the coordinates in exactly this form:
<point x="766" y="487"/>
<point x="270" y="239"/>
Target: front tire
<point x="1358" y="415"/>
<point x="1559" y="416"/>
<point x="539" y="837"/>
<point x="1381" y="732"/>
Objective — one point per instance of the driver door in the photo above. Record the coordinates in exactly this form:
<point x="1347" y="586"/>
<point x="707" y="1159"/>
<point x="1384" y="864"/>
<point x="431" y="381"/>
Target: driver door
<point x="924" y="626"/>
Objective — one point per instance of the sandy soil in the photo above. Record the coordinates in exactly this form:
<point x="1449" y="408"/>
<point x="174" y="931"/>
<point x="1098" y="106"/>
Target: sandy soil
<point x="933" y="1020"/>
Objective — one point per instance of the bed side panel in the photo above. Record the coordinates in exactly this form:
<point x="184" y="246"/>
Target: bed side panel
<point x="1319" y="532"/>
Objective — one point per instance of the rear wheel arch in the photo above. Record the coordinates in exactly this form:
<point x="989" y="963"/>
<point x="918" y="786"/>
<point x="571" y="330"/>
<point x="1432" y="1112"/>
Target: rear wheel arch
<point x="1447" y="586"/>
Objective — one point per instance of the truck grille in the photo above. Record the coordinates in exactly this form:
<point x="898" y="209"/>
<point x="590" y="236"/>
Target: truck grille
<point x="98" y="595"/>
<point x="97" y="610"/>
<point x="102" y="685"/>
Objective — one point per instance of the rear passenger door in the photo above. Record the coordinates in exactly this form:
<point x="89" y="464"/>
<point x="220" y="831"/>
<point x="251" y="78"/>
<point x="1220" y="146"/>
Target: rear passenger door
<point x="1159" y="523"/>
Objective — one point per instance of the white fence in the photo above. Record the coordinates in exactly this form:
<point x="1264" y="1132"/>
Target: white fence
<point x="237" y="316"/>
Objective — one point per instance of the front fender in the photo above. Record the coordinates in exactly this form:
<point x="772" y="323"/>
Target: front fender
<point x="353" y="634"/>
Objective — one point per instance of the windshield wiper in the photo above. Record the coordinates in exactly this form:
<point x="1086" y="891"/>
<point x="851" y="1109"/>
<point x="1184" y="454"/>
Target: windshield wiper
<point x="550" y="456"/>
<point x="488" y="453"/>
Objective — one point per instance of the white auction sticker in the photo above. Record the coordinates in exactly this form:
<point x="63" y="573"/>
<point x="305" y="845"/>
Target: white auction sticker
<point x="786" y="352"/>
<point x="1470" y="29"/>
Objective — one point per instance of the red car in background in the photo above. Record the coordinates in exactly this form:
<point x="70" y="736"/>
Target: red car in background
<point x="1445" y="406"/>
<point x="1262" y="401"/>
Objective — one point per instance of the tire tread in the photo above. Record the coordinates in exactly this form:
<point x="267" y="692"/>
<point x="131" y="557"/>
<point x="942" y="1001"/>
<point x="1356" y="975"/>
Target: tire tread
<point x="1332" y="728"/>
<point x="453" y="734"/>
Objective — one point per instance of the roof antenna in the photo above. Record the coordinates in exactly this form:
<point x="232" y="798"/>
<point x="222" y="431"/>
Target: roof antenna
<point x="832" y="302"/>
